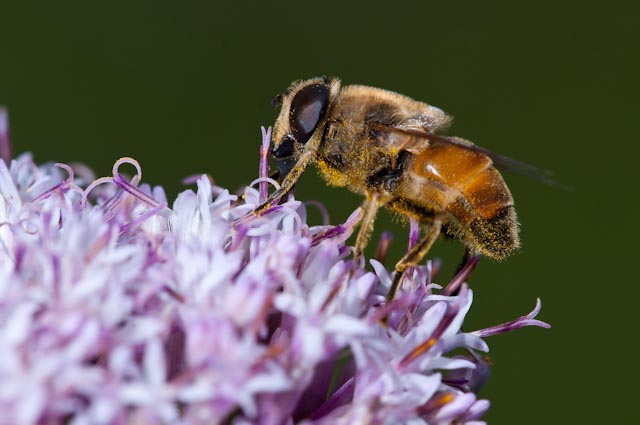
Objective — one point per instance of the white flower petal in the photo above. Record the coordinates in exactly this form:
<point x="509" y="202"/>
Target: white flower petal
<point x="154" y="363"/>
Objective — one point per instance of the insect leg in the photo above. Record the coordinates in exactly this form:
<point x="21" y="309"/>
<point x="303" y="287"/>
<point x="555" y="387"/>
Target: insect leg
<point x="370" y="207"/>
<point x="414" y="256"/>
<point x="289" y="180"/>
<point x="275" y="174"/>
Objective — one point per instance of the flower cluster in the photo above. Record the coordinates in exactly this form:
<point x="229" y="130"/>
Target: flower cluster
<point x="115" y="308"/>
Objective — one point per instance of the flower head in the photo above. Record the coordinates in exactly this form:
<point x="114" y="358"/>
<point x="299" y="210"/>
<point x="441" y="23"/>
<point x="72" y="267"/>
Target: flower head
<point x="115" y="307"/>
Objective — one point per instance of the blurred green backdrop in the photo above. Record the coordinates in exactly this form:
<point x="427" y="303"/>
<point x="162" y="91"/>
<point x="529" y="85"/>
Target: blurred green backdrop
<point x="184" y="86"/>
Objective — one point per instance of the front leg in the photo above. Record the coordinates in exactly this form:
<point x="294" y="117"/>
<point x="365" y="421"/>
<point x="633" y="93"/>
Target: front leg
<point x="289" y="181"/>
<point x="370" y="207"/>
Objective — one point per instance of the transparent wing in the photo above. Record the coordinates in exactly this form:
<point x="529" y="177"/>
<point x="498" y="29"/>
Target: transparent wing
<point x="416" y="136"/>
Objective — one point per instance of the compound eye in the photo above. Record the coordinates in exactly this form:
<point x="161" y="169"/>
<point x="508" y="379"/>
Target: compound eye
<point x="307" y="109"/>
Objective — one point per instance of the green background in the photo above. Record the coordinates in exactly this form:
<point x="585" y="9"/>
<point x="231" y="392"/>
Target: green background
<point x="183" y="87"/>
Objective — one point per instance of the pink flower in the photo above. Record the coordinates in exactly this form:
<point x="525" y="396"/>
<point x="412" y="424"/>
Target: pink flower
<point x="116" y="308"/>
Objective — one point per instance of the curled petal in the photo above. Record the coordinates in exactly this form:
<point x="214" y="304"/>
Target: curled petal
<point x="121" y="309"/>
<point x="520" y="322"/>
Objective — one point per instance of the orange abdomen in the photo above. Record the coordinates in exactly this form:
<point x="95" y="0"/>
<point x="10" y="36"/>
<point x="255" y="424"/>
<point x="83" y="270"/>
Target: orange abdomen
<point x="465" y="186"/>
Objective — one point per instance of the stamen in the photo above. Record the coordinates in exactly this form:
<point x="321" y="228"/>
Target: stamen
<point x="66" y="184"/>
<point x="383" y="247"/>
<point x="447" y="319"/>
<point x="414" y="233"/>
<point x="5" y="140"/>
<point x="323" y="211"/>
<point x="462" y="276"/>
<point x="264" y="163"/>
<point x="265" y="180"/>
<point x="143" y="217"/>
<point x="436" y="403"/>
<point x="93" y="185"/>
<point x="418" y="351"/>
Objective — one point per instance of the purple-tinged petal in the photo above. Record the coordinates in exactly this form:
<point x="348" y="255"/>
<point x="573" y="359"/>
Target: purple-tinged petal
<point x="462" y="276"/>
<point x="414" y="232"/>
<point x="476" y="411"/>
<point x="455" y="408"/>
<point x="154" y="363"/>
<point x="5" y="142"/>
<point x="264" y="162"/>
<point x="522" y="321"/>
<point x="115" y="308"/>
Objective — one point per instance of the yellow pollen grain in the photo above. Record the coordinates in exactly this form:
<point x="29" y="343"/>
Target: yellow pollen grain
<point x="420" y="350"/>
<point x="445" y="399"/>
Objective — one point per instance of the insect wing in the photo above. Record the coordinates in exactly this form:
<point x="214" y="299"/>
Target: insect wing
<point x="414" y="139"/>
